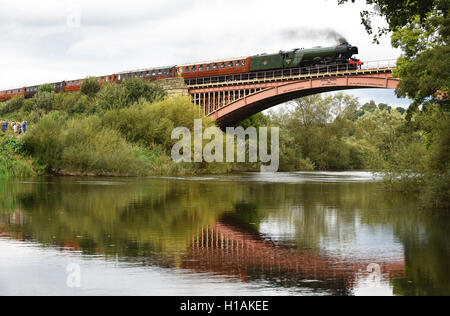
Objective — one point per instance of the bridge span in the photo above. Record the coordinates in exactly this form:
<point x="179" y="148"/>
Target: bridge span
<point x="230" y="99"/>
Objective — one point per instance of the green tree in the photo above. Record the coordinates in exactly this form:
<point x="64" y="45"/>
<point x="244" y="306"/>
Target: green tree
<point x="14" y="104"/>
<point x="44" y="100"/>
<point x="399" y="14"/>
<point x="45" y="88"/>
<point x="421" y="29"/>
<point x="90" y="86"/>
<point x="137" y="88"/>
<point x="111" y="97"/>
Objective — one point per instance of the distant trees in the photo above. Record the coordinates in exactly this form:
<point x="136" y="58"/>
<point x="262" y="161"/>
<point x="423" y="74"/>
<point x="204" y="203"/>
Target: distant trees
<point x="319" y="133"/>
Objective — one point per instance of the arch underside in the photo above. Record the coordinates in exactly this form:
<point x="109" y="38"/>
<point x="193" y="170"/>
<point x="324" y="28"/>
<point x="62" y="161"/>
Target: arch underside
<point x="231" y="116"/>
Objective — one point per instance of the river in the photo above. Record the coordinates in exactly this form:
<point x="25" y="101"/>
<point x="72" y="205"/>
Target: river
<point x="306" y="233"/>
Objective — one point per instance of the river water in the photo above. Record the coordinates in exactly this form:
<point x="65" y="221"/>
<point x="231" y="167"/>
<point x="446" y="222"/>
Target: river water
<point x="317" y="233"/>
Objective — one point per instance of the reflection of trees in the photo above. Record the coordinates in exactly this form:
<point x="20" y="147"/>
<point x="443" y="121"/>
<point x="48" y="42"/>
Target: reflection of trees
<point x="131" y="219"/>
<point x="151" y="219"/>
<point x="330" y="211"/>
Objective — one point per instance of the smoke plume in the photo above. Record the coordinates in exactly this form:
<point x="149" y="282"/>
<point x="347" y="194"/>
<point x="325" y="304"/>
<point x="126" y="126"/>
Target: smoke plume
<point x="315" y="34"/>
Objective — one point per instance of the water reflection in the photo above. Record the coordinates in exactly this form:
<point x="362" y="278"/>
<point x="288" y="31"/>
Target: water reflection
<point x="307" y="232"/>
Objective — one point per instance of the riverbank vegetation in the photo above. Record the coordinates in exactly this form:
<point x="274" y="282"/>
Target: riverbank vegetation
<point x="125" y="130"/>
<point x="421" y="29"/>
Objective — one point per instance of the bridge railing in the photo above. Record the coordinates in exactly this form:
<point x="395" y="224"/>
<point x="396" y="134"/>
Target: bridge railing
<point x="379" y="64"/>
<point x="292" y="72"/>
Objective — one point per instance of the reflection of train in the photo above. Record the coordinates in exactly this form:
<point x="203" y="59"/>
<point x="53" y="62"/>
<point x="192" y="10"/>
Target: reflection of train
<point x="318" y="59"/>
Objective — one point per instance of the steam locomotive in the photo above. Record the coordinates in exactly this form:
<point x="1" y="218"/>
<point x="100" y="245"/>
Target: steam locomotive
<point x="318" y="59"/>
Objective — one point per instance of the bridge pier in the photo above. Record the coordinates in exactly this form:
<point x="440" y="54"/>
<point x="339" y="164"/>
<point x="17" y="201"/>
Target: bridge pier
<point x="174" y="87"/>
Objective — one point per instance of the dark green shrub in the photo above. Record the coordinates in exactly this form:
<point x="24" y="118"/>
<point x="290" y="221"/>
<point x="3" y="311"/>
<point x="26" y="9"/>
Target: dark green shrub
<point x="90" y="87"/>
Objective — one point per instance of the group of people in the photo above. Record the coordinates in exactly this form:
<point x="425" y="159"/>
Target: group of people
<point x="17" y="127"/>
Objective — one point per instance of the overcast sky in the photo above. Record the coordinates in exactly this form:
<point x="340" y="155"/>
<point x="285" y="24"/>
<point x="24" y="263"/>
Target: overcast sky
<point x="54" y="40"/>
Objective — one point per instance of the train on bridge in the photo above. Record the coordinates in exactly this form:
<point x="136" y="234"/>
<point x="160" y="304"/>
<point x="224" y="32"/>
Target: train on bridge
<point x="319" y="59"/>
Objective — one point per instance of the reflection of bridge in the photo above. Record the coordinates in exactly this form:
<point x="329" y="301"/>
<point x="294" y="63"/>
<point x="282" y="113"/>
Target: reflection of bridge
<point x="229" y="99"/>
<point x="226" y="250"/>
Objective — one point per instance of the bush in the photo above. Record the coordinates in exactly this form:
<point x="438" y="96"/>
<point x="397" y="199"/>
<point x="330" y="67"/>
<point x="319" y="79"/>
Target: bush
<point x="111" y="97"/>
<point x="114" y="97"/>
<point x="12" y="105"/>
<point x="82" y="146"/>
<point x="45" y="88"/>
<point x="44" y="100"/>
<point x="137" y="88"/>
<point x="10" y="164"/>
<point x="151" y="124"/>
<point x="90" y="87"/>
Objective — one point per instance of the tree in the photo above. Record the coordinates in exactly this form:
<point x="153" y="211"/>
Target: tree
<point x="137" y="88"/>
<point x="44" y="99"/>
<point x="45" y="88"/>
<point x="421" y="29"/>
<point x="399" y="14"/>
<point x="90" y="86"/>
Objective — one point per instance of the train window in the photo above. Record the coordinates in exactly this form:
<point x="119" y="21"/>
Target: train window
<point x="194" y="68"/>
<point x="243" y="63"/>
<point x="153" y="73"/>
<point x="238" y="64"/>
<point x="222" y="65"/>
<point x="147" y="74"/>
<point x="160" y="72"/>
<point x="215" y="66"/>
<point x="166" y="72"/>
<point x="200" y="68"/>
<point x="230" y="64"/>
<point x="186" y="69"/>
<point x="208" y="67"/>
